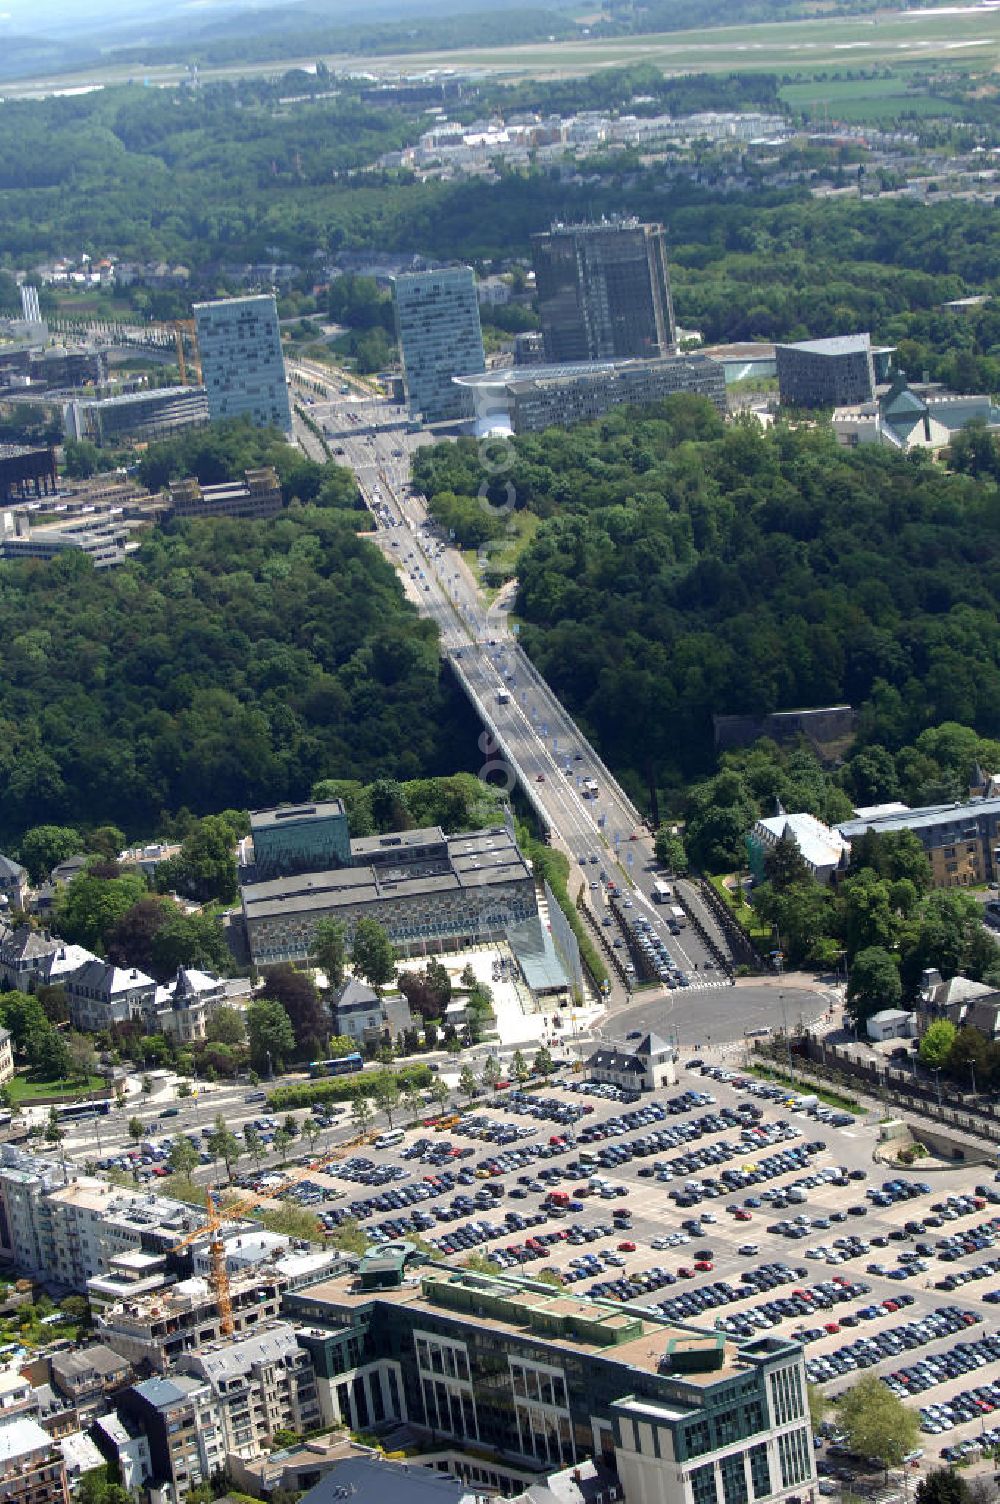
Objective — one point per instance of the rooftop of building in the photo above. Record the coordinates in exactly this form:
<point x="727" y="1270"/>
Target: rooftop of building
<point x="926" y="815"/>
<point x="148" y="394"/>
<point x="820" y="846"/>
<point x="524" y="378"/>
<point x="251" y="297"/>
<point x="18" y="451"/>
<point x="512" y="1305"/>
<point x="619" y="1061"/>
<point x="235" y="1357"/>
<point x="21" y="1436"/>
<point x="294" y="814"/>
<point x="165" y="1392"/>
<point x="472" y="860"/>
<point x="96" y="1357"/>
<point x="371" y="1480"/>
<point x="398" y="840"/>
<point x="836" y="344"/>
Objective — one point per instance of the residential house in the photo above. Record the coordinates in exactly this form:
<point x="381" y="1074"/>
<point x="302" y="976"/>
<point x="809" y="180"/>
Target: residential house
<point x="124" y="1444"/>
<point x="87" y="1376"/>
<point x="23" y="956"/>
<point x="6" y="1056"/>
<point x="362" y="1015"/>
<point x="182" y="1009"/>
<point x="13" y="884"/>
<point x="647" y="1067"/>
<point x="101" y="996"/>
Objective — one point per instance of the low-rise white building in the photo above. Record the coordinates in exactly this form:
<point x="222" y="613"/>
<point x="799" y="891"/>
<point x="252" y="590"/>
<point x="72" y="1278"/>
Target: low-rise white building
<point x="892" y="1023"/>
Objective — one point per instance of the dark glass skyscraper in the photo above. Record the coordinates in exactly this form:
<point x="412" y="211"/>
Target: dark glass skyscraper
<point x="604" y="291"/>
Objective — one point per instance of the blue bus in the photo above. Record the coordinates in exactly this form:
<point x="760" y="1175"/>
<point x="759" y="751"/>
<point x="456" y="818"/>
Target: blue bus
<point x="344" y="1065"/>
<point x="73" y="1110"/>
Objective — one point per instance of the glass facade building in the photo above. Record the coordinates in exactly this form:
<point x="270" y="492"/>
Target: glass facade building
<point x="544" y="1380"/>
<point x="437" y="322"/>
<point x="241" y="361"/>
<point x="604" y="291"/>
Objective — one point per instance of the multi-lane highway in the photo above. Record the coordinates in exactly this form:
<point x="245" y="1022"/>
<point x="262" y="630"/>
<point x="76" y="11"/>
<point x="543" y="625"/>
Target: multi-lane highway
<point x="530" y="736"/>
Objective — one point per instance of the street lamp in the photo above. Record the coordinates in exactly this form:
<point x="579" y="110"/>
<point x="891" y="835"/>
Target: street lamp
<point x="937" y="1081"/>
<point x="270" y="1072"/>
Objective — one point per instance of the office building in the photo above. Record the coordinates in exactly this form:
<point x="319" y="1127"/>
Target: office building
<point x="103" y="539"/>
<point x="837" y="372"/>
<point x="26" y="472"/>
<point x="529" y="1376"/>
<point x="256" y="496"/>
<point x="136" y="416"/>
<point x="32" y="1470"/>
<point x="427" y="890"/>
<point x="520" y="400"/>
<point x="604" y="291"/>
<point x="437" y="323"/>
<point x="297" y="838"/>
<point x="241" y="361"/>
<point x="30" y="311"/>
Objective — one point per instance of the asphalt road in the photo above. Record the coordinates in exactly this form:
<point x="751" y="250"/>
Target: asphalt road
<point x="700" y="1018"/>
<point x="541" y="745"/>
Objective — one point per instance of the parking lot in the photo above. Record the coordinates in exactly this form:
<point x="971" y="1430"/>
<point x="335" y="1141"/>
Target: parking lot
<point x="718" y="1202"/>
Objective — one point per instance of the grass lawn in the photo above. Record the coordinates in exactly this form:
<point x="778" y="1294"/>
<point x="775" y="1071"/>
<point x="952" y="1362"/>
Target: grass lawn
<point x="857" y="100"/>
<point x="21" y="1089"/>
<point x="759" y="933"/>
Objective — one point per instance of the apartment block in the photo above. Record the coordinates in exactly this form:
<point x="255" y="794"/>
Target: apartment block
<point x="262" y="1383"/>
<point x="32" y="1470"/>
<point x="242" y="365"/>
<point x="180" y="1420"/>
<point x="437" y="322"/>
<point x="157" y="1329"/>
<point x="604" y="291"/>
<point x="65" y="1227"/>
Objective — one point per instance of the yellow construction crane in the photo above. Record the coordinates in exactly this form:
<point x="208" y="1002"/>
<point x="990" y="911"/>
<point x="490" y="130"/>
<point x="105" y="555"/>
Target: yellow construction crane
<point x="182" y="327"/>
<point x="217" y="1216"/>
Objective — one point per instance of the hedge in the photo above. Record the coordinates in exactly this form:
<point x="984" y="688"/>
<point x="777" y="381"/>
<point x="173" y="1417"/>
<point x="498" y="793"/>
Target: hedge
<point x="346" y="1088"/>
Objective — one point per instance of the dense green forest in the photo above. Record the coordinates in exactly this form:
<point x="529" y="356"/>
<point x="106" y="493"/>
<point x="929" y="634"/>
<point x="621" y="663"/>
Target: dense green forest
<point x="684" y="569"/>
<point x="227" y="664"/>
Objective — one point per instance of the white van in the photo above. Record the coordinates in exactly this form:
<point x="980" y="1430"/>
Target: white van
<point x="387" y="1140"/>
